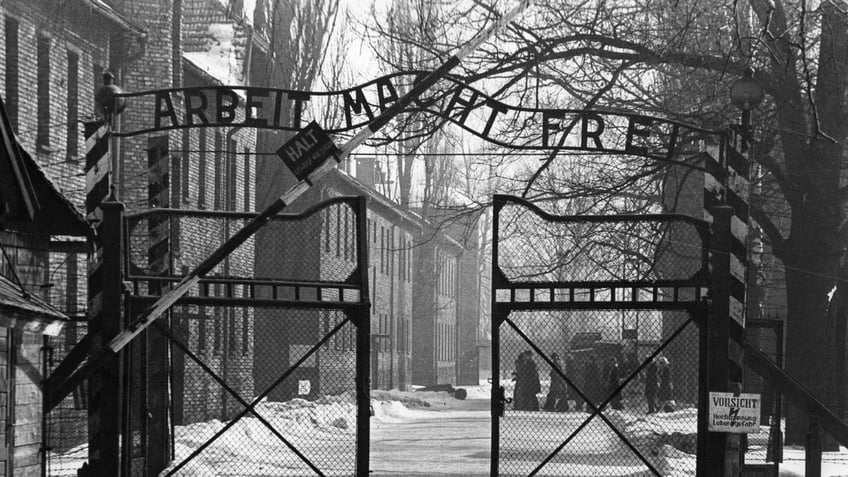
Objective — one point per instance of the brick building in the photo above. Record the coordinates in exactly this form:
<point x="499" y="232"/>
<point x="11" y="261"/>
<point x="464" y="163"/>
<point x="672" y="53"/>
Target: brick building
<point x="57" y="54"/>
<point x="424" y="307"/>
<point x="392" y="235"/>
<point x="52" y="56"/>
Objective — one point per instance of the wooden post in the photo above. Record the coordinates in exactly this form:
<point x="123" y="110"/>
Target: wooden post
<point x="497" y="401"/>
<point x="105" y="386"/>
<point x="719" y="459"/>
<point x="363" y="341"/>
<point x="813" y="454"/>
<point x="702" y="465"/>
<point x="155" y="344"/>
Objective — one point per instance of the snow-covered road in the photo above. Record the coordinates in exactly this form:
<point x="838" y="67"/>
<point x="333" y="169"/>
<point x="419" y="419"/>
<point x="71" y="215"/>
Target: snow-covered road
<point x="434" y="434"/>
<point x="450" y="440"/>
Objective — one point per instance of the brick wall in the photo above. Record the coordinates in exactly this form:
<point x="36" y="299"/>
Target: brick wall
<point x="69" y="29"/>
<point x="390" y="250"/>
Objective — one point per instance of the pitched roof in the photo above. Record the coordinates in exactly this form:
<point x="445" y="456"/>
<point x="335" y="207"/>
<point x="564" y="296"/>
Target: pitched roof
<point x="27" y="312"/>
<point x="30" y="202"/>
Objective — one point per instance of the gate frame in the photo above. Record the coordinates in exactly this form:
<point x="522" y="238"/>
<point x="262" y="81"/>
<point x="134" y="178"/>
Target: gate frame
<point x="358" y="311"/>
<point x="698" y="310"/>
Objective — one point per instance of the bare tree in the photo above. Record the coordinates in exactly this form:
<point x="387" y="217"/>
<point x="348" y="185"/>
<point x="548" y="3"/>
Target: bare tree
<point x="298" y="34"/>
<point x="677" y="59"/>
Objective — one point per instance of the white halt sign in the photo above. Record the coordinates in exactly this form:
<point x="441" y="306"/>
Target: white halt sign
<point x="739" y="413"/>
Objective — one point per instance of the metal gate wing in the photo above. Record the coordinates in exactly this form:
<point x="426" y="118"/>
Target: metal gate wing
<point x="266" y="361"/>
<point x="586" y="310"/>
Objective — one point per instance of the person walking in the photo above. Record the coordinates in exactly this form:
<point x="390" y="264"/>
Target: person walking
<point x="531" y="371"/>
<point x="613" y="381"/>
<point x="557" y="399"/>
<point x="527" y="385"/>
<point x="651" y="386"/>
<point x="518" y="392"/>
<point x="665" y="392"/>
<point x="591" y="384"/>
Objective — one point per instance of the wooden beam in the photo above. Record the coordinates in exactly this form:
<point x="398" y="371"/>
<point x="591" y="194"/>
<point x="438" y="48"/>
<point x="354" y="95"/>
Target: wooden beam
<point x="796" y="392"/>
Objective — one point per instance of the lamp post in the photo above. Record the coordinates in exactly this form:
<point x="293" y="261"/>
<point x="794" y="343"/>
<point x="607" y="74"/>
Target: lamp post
<point x="746" y="94"/>
<point x="109" y="105"/>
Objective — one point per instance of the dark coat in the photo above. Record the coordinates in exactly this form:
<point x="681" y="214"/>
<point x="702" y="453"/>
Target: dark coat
<point x="526" y="384"/>
<point x="592" y="381"/>
<point x="666" y="389"/>
<point x="652" y="383"/>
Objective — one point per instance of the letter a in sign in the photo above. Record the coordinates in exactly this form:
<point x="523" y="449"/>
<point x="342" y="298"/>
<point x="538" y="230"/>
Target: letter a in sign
<point x="307" y="150"/>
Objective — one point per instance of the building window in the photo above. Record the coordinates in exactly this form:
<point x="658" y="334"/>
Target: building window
<point x="72" y="146"/>
<point x="247" y="179"/>
<point x="331" y="323"/>
<point x="42" y="138"/>
<point x="440" y="343"/>
<point x="232" y="344"/>
<point x="343" y="238"/>
<point x="350" y="240"/>
<point x="409" y="260"/>
<point x="232" y="163"/>
<point x="368" y="233"/>
<point x="183" y="181"/>
<point x="219" y="180"/>
<point x="325" y="214"/>
<point x="12" y="72"/>
<point x="201" y="330"/>
<point x="245" y="323"/>
<point x="402" y="259"/>
<point x="338" y="230"/>
<point x="383" y="261"/>
<point x="97" y="70"/>
<point x="217" y="323"/>
<point x="201" y="170"/>
<point x="401" y="342"/>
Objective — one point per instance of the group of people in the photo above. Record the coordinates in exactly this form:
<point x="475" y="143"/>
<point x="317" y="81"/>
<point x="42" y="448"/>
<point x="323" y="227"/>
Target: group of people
<point x="657" y="376"/>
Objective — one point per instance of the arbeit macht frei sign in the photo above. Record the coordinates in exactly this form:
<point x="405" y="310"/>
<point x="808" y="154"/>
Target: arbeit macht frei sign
<point x="351" y="109"/>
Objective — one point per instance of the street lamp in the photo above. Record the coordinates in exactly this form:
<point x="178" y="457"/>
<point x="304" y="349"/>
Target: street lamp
<point x="746" y="94"/>
<point x="109" y="104"/>
<point x="107" y="101"/>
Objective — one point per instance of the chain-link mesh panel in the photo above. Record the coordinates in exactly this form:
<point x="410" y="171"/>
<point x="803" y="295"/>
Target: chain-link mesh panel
<point x="532" y="248"/>
<point x="317" y="247"/>
<point x="548" y="427"/>
<point x="298" y="365"/>
<point x="67" y="424"/>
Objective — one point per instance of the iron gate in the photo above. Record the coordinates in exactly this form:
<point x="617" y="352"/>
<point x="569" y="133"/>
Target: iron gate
<point x="266" y="361"/>
<point x="586" y="310"/>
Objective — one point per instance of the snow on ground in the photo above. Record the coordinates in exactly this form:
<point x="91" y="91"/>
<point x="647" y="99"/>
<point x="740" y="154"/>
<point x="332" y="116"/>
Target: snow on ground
<point x="432" y="433"/>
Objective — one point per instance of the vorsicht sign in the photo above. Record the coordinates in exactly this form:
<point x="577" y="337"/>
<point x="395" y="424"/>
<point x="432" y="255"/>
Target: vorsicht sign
<point x="729" y="412"/>
<point x="514" y="127"/>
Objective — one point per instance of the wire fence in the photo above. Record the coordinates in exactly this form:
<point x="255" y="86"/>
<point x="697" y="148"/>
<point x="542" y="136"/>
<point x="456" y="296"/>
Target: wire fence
<point x="597" y="343"/>
<point x="254" y="371"/>
<point x="583" y="405"/>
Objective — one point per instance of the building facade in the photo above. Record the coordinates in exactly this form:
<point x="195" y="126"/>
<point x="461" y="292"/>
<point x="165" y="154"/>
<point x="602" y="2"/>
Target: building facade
<point x="53" y="58"/>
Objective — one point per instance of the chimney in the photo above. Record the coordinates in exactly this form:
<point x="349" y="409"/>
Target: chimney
<point x="367" y="171"/>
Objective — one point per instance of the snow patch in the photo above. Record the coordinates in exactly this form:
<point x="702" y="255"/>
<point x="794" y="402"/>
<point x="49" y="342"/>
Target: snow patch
<point x="220" y="59"/>
<point x="394" y="412"/>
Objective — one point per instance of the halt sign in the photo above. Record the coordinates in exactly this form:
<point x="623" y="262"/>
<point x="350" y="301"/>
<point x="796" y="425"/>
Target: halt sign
<point x="737" y="413"/>
<point x="307" y="150"/>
